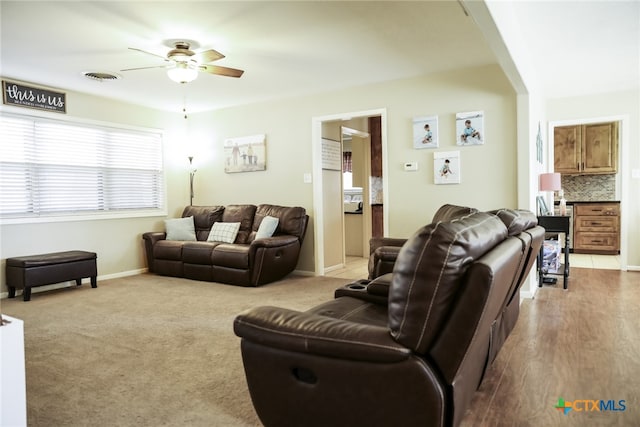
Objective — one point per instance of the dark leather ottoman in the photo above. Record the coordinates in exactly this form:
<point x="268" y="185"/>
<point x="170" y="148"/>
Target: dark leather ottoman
<point x="36" y="270"/>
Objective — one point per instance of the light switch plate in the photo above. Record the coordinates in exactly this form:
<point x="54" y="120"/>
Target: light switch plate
<point x="635" y="173"/>
<point x="411" y="166"/>
<point x="306" y="178"/>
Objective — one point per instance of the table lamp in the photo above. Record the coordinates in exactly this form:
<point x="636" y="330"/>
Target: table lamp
<point x="550" y="182"/>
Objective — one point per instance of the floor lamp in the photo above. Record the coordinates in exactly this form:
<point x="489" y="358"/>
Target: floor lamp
<point x="192" y="173"/>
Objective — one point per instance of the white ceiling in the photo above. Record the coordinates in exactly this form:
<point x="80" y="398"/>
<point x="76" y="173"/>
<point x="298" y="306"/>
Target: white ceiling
<point x="296" y="48"/>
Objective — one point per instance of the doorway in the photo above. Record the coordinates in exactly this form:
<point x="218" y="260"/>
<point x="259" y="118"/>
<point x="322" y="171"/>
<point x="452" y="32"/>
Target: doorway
<point x="328" y="203"/>
<point x="616" y="262"/>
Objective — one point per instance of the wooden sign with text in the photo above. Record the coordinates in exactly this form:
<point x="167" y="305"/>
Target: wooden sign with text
<point x="22" y="95"/>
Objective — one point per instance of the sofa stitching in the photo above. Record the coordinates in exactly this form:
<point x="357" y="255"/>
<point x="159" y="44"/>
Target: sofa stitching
<point x="352" y="312"/>
<point x="262" y="252"/>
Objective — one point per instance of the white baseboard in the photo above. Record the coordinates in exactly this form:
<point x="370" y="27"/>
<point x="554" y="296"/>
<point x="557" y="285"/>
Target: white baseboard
<point x="333" y="268"/>
<point x="303" y="273"/>
<point x="633" y="267"/>
<point x="72" y="283"/>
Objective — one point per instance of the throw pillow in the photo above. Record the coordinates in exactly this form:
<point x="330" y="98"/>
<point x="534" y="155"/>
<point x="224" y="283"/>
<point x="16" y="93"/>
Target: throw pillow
<point x="180" y="229"/>
<point x="267" y="227"/>
<point x="224" y="232"/>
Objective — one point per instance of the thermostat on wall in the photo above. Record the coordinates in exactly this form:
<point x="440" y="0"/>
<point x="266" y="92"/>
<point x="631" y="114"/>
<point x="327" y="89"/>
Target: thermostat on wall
<point x="411" y="166"/>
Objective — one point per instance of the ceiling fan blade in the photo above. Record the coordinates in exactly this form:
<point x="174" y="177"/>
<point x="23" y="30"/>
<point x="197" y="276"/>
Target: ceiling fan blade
<point x="144" y="68"/>
<point x="149" y="53"/>
<point x="222" y="71"/>
<point x="208" y="56"/>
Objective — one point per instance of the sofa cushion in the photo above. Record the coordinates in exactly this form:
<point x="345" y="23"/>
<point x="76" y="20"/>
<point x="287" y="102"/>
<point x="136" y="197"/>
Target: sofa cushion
<point x="168" y="250"/>
<point x="516" y="221"/>
<point x="243" y="214"/>
<point x="292" y="220"/>
<point x="198" y="252"/>
<point x="448" y="212"/>
<point x="203" y="218"/>
<point x="267" y="227"/>
<point x="180" y="229"/>
<point x="429" y="271"/>
<point x="224" y="232"/>
<point x="231" y="256"/>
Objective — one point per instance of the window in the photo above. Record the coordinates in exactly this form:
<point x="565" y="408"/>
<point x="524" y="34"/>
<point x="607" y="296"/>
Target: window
<point x="57" y="168"/>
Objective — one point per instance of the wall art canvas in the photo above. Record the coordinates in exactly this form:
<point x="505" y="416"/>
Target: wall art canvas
<point x="425" y="132"/>
<point x="539" y="145"/>
<point x="245" y="154"/>
<point x="446" y="167"/>
<point x="470" y="128"/>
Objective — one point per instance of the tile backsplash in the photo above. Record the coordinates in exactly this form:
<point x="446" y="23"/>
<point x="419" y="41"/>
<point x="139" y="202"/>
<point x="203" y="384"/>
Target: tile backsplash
<point x="588" y="188"/>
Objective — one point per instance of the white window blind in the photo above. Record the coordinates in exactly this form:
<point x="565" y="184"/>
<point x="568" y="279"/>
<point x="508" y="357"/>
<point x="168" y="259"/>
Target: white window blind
<point x="53" y="167"/>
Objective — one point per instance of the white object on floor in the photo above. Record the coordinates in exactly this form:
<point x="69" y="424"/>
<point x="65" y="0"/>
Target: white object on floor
<point x="13" y="394"/>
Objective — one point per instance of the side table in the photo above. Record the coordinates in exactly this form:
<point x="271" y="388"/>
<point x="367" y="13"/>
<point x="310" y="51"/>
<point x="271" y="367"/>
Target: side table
<point x="555" y="224"/>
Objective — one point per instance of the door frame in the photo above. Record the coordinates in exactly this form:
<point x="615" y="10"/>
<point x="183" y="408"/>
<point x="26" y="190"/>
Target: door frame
<point x="316" y="158"/>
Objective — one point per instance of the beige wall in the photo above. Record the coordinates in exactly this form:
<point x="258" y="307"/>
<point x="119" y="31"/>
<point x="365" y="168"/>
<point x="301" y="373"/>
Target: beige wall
<point x="489" y="171"/>
<point x="488" y="180"/>
<point x="621" y="104"/>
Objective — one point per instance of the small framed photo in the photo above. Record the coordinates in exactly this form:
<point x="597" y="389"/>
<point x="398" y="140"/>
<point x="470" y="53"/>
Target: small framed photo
<point x="542" y="206"/>
<point x="470" y="128"/>
<point x="425" y="132"/>
<point x="446" y="167"/>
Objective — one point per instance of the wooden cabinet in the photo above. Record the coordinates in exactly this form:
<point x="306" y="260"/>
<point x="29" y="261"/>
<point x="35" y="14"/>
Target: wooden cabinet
<point x="586" y="149"/>
<point x="596" y="228"/>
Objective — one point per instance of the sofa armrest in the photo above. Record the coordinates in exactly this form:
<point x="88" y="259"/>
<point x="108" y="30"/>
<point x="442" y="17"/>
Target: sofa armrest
<point x="153" y="236"/>
<point x="275" y="241"/>
<point x="376" y="242"/>
<point x="380" y="286"/>
<point x="150" y="238"/>
<point x="382" y="260"/>
<point x="315" y="334"/>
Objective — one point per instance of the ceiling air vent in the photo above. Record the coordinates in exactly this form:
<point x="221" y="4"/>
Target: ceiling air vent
<point x="101" y="77"/>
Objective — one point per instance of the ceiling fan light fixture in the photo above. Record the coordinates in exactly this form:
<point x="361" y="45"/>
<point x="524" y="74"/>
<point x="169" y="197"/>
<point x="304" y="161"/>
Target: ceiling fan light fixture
<point x="182" y="73"/>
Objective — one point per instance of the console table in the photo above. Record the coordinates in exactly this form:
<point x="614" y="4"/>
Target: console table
<point x="555" y="224"/>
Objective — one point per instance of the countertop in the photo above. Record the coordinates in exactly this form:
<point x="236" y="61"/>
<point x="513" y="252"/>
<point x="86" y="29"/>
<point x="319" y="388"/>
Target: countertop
<point x="557" y="202"/>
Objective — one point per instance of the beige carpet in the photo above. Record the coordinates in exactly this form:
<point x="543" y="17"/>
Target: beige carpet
<point x="146" y="350"/>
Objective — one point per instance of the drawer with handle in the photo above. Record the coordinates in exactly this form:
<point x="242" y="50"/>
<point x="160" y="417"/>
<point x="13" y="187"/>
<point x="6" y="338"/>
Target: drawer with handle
<point x="596" y="223"/>
<point x="598" y="209"/>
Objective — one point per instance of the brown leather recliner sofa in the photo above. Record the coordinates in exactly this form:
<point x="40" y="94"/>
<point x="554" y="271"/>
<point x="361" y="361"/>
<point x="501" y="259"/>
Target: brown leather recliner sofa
<point x="247" y="261"/>
<point x="408" y="348"/>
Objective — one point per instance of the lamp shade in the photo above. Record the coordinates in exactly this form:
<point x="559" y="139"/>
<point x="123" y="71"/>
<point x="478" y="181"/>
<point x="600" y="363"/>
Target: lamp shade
<point x="182" y="73"/>
<point x="550" y="182"/>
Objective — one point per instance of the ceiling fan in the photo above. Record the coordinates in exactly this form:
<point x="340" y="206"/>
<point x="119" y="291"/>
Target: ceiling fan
<point x="184" y="64"/>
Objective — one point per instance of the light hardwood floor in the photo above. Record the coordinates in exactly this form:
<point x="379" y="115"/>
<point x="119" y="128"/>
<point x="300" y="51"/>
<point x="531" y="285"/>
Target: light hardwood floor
<point x="577" y="344"/>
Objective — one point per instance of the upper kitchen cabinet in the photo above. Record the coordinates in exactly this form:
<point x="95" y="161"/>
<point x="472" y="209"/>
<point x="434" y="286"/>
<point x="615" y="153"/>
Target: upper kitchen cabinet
<point x="586" y="149"/>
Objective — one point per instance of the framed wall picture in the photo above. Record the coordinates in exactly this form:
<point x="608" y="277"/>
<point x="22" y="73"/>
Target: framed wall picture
<point x="245" y="154"/>
<point x="447" y="168"/>
<point x="470" y="128"/>
<point x="425" y="132"/>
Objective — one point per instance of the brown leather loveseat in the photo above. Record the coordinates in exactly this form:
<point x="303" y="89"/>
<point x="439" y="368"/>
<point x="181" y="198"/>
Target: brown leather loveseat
<point x="247" y="261"/>
<point x="409" y="348"/>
